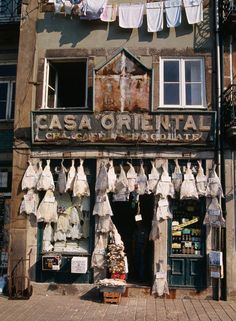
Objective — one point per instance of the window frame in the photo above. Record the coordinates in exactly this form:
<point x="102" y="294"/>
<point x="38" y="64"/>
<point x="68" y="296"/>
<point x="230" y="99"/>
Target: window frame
<point x="9" y="98"/>
<point x="182" y="83"/>
<point x="48" y="63"/>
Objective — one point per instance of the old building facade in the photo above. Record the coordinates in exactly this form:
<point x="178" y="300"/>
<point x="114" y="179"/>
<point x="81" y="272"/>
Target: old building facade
<point x="92" y="93"/>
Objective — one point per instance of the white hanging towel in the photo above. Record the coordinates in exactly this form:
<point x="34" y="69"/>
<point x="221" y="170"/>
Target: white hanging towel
<point x="109" y="13"/>
<point x="71" y="177"/>
<point x="173" y="13"/>
<point x="154" y="16"/>
<point x="46" y="179"/>
<point x="194" y="10"/>
<point x="131" y="15"/>
<point x="30" y="178"/>
<point x="81" y="187"/>
<point x="92" y="9"/>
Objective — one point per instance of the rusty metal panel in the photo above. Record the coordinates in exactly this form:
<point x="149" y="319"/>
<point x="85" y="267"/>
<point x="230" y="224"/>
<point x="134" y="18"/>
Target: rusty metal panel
<point x="123" y="84"/>
<point x="195" y="128"/>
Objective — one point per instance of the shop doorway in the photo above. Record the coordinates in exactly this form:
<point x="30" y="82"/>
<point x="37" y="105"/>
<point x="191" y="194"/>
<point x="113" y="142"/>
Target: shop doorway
<point x="135" y="235"/>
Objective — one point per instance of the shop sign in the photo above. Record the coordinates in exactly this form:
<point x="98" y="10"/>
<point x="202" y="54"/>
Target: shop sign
<point x="79" y="264"/>
<point x="123" y="127"/>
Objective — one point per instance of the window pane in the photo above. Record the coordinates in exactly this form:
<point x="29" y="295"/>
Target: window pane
<point x="193" y="94"/>
<point x="192" y="71"/>
<point x="7" y="70"/>
<point x="3" y="100"/>
<point x="171" y="94"/>
<point x="171" y="71"/>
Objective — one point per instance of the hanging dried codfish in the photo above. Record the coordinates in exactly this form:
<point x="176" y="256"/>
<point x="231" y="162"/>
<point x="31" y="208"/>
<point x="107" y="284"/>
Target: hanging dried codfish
<point x="214" y="187"/>
<point x="201" y="181"/>
<point x="214" y="215"/>
<point x="102" y="206"/>
<point x="131" y="177"/>
<point x="30" y="178"/>
<point x="165" y="187"/>
<point x="153" y="178"/>
<point x="64" y="203"/>
<point x="71" y="177"/>
<point x="121" y="193"/>
<point x="47" y="210"/>
<point x="75" y="232"/>
<point x="30" y="203"/>
<point x="39" y="170"/>
<point x="81" y="186"/>
<point x="48" y="238"/>
<point x="188" y="188"/>
<point x="61" y="181"/>
<point x="104" y="224"/>
<point x="177" y="177"/>
<point x="74" y="217"/>
<point x="111" y="177"/>
<point x="142" y="181"/>
<point x="101" y="185"/>
<point x="46" y="181"/>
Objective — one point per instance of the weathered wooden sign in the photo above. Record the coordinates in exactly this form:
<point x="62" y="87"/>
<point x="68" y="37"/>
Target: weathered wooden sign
<point x="123" y="127"/>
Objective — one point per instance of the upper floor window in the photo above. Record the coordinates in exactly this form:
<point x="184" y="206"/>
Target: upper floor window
<point x="7" y="91"/>
<point x="65" y="84"/>
<point x="182" y="83"/>
<point x="10" y="8"/>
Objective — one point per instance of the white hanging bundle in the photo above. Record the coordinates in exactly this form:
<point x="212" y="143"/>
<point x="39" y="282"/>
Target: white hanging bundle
<point x="153" y="178"/>
<point x="201" y="181"/>
<point x="111" y="177"/>
<point x="165" y="187"/>
<point x="61" y="181"/>
<point x="188" y="188"/>
<point x="47" y="210"/>
<point x="81" y="187"/>
<point x="64" y="203"/>
<point x="131" y="177"/>
<point x="99" y="254"/>
<point x="214" y="188"/>
<point x="29" y="203"/>
<point x="142" y="181"/>
<point x="30" y="178"/>
<point x="160" y="286"/>
<point x="163" y="211"/>
<point x="74" y="216"/>
<point x="71" y="177"/>
<point x="46" y="181"/>
<point x="177" y="177"/>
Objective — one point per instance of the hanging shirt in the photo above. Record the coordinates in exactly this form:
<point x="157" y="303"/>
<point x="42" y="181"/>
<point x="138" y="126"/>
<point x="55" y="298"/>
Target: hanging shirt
<point x="92" y="9"/>
<point x="131" y="15"/>
<point x="154" y="16"/>
<point x="194" y="11"/>
<point x="109" y="13"/>
<point x="173" y="13"/>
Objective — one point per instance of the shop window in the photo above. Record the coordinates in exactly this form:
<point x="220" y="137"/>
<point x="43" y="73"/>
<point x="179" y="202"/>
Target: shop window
<point x="9" y="8"/>
<point x="7" y="91"/>
<point x="182" y="83"/>
<point x="65" y="84"/>
<point x="3" y="179"/>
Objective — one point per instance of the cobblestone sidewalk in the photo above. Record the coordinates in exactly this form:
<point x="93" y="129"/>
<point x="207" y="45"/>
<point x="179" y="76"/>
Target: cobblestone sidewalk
<point x="73" y="308"/>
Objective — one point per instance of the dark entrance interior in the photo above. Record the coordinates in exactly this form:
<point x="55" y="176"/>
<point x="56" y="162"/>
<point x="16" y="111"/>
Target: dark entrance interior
<point x="135" y="235"/>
